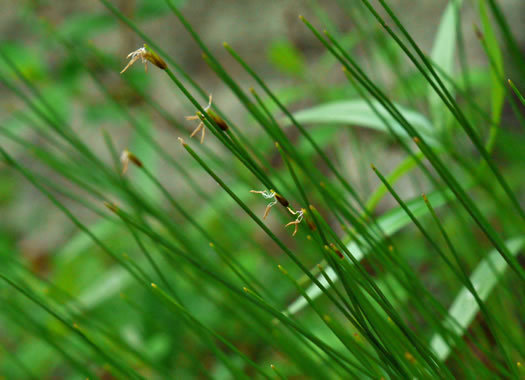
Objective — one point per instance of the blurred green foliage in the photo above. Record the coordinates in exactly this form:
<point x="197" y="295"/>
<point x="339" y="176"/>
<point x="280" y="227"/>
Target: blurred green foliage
<point x="76" y="276"/>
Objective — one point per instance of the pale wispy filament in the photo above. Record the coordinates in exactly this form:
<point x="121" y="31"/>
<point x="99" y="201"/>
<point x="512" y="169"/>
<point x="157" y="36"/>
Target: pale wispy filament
<point x="201" y="123"/>
<point x="267" y="194"/>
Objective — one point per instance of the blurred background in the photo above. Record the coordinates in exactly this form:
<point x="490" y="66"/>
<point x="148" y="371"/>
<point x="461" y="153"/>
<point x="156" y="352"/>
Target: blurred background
<point x="268" y="35"/>
<point x="73" y="51"/>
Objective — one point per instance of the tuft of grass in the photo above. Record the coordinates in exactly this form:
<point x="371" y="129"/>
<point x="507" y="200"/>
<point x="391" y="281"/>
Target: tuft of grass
<point x="267" y="249"/>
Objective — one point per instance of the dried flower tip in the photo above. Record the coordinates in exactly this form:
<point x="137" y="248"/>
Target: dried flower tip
<point x="145" y="55"/>
<point x="134" y="57"/>
<point x="299" y="219"/>
<point x="126" y="157"/>
<point x="181" y="140"/>
<point x="267" y="194"/>
<point x="198" y="116"/>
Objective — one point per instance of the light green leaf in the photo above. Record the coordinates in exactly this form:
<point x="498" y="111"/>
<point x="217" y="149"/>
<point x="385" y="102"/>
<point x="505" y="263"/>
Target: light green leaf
<point x="497" y="91"/>
<point x="496" y="73"/>
<point x="464" y="308"/>
<point x="358" y="112"/>
<point x="111" y="283"/>
<point x="443" y="56"/>
<point x="390" y="223"/>
<point x="286" y="57"/>
<point x="103" y="229"/>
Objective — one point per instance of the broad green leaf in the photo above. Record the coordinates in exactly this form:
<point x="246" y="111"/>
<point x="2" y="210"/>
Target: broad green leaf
<point x="358" y="112"/>
<point x="390" y="223"/>
<point x="443" y="56"/>
<point x="497" y="91"/>
<point x="464" y="308"/>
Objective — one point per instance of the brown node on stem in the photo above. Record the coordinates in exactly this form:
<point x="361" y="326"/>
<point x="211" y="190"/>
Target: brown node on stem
<point x="282" y="269"/>
<point x="111" y="207"/>
<point x="337" y="251"/>
<point x="417" y="140"/>
<point x="410" y="357"/>
<point x="478" y="33"/>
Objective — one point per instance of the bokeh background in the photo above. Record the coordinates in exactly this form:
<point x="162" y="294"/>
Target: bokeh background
<point x="270" y="37"/>
<point x="267" y="34"/>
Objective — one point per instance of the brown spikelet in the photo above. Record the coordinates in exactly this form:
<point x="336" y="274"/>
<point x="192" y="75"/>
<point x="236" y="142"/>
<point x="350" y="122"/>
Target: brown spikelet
<point x="218" y="120"/>
<point x="282" y="200"/>
<point x="156" y="60"/>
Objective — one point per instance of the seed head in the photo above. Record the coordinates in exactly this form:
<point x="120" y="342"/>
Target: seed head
<point x="145" y="54"/>
<point x="126" y="157"/>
